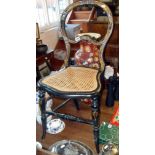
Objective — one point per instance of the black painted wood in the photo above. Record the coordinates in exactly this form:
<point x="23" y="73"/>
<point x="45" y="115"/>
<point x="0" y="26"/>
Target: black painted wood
<point x="76" y="104"/>
<point x="38" y="74"/>
<point x="95" y="118"/>
<point x="42" y="103"/>
<point x="95" y="115"/>
<point x="70" y="117"/>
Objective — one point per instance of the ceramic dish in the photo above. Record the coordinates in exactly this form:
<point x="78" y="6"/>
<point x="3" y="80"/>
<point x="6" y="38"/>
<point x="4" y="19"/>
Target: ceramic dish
<point x="38" y="145"/>
<point x="70" y="147"/>
<point x="55" y="126"/>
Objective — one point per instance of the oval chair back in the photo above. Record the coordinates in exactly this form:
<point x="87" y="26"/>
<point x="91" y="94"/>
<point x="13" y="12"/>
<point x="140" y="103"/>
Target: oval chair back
<point x="101" y="43"/>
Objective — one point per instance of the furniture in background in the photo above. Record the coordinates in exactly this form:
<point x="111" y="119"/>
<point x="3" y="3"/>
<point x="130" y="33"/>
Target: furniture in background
<point x="43" y="64"/>
<point x="112" y="4"/>
<point x="81" y="16"/>
<point x="76" y="82"/>
<point x="113" y="90"/>
<point x="43" y="57"/>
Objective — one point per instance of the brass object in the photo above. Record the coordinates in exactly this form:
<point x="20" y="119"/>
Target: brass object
<point x="37" y="31"/>
<point x="109" y="149"/>
<point x="38" y="40"/>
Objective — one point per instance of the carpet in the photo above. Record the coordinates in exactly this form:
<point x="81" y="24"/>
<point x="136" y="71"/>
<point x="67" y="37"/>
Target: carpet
<point x="108" y="133"/>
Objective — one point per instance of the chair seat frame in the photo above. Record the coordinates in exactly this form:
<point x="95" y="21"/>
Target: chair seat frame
<point x="94" y="95"/>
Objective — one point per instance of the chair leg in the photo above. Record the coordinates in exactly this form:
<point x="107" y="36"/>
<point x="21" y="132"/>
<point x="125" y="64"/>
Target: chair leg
<point x="43" y="110"/>
<point x="76" y="104"/>
<point x="95" y="117"/>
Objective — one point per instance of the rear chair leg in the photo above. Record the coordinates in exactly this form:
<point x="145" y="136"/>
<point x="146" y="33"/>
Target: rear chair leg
<point x="76" y="104"/>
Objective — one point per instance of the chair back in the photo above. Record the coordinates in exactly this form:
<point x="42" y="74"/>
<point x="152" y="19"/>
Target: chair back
<point x="101" y="43"/>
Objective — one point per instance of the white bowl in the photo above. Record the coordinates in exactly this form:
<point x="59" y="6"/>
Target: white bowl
<point x="38" y="145"/>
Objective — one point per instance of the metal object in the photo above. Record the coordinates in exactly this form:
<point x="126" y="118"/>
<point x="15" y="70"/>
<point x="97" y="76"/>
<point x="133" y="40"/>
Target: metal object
<point x="41" y="49"/>
<point x="109" y="149"/>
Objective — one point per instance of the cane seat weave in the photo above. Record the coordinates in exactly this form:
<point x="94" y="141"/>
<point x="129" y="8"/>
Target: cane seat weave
<point x="73" y="79"/>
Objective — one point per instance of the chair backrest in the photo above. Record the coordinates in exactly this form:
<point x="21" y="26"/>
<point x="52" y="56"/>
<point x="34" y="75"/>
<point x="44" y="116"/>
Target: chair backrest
<point x="102" y="42"/>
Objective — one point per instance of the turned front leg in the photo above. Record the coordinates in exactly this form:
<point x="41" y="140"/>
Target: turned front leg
<point x="95" y="117"/>
<point x="42" y="103"/>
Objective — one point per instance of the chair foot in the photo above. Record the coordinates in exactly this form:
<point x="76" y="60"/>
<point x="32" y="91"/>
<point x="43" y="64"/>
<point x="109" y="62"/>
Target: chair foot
<point x="43" y="127"/>
<point x="76" y="104"/>
<point x="96" y="138"/>
<point x="95" y="117"/>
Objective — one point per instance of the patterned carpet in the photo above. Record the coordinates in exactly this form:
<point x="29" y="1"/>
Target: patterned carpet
<point x="109" y="133"/>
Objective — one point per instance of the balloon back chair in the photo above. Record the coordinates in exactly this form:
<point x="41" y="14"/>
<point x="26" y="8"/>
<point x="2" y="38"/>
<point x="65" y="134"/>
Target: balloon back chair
<point x="77" y="82"/>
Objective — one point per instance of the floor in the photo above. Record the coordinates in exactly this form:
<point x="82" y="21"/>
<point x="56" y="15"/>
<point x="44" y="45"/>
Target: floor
<point x="73" y="130"/>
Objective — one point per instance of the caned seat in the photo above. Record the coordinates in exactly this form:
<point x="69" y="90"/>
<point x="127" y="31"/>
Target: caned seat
<point x="73" y="79"/>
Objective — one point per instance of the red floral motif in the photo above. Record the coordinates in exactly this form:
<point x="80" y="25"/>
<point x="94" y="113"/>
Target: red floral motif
<point x="87" y="55"/>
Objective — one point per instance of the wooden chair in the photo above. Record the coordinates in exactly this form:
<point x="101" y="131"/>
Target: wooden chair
<point x="75" y="82"/>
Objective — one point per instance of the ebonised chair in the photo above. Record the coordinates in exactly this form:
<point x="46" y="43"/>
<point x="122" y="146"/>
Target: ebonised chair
<point x="76" y="82"/>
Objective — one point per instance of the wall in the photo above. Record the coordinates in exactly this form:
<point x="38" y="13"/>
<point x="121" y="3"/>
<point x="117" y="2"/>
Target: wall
<point x="50" y="37"/>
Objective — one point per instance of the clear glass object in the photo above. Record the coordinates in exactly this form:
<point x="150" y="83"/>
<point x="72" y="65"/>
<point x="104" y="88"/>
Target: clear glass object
<point x="70" y="147"/>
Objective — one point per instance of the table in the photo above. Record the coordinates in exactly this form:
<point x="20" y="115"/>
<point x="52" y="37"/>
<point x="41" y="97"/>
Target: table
<point x="44" y="58"/>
